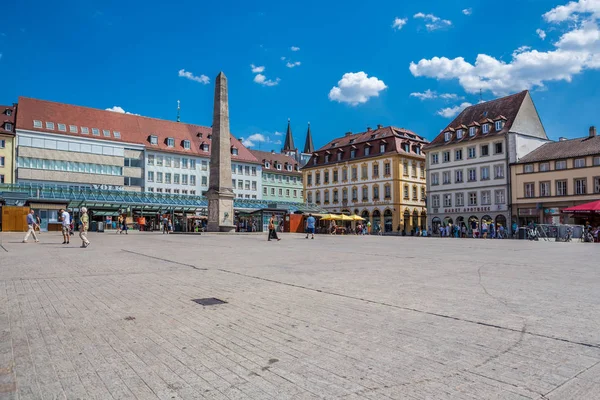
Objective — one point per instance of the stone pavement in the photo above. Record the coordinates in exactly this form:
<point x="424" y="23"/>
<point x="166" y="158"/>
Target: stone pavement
<point x="335" y="318"/>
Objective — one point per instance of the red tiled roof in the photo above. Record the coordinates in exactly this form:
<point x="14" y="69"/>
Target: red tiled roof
<point x="132" y="128"/>
<point x="392" y="136"/>
<point x="505" y="108"/>
<point x="580" y="147"/>
<point x="276" y="157"/>
<point x="7" y="118"/>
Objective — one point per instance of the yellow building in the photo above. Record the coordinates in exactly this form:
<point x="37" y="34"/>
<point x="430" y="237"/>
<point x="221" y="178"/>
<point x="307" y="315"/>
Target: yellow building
<point x="555" y="176"/>
<point x="7" y="148"/>
<point x="378" y="174"/>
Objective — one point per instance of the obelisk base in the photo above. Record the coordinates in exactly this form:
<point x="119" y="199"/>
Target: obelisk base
<point x="220" y="211"/>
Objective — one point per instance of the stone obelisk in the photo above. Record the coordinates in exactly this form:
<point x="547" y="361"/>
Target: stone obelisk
<point x="220" y="192"/>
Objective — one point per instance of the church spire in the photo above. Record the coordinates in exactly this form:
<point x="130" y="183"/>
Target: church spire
<point x="308" y="146"/>
<point x="289" y="140"/>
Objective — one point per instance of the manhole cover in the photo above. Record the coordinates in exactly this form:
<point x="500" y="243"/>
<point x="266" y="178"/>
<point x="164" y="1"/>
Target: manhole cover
<point x="211" y="301"/>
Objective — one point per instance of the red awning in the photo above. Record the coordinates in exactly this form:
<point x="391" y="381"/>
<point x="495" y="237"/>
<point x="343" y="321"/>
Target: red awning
<point x="593" y="207"/>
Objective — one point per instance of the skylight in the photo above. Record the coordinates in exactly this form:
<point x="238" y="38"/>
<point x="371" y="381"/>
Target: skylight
<point x="117" y="134"/>
<point x="85" y="130"/>
<point x="95" y="132"/>
<point x="106" y="132"/>
<point x="73" y="128"/>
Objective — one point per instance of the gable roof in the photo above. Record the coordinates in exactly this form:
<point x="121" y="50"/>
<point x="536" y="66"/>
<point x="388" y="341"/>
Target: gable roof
<point x="504" y="108"/>
<point x="272" y="158"/>
<point x="579" y="147"/>
<point x="134" y="129"/>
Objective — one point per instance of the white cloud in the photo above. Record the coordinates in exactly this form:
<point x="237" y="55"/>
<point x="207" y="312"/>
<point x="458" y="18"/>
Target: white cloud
<point x="541" y="33"/>
<point x="451" y="112"/>
<point x="521" y="49"/>
<point x="294" y="48"/>
<point x="257" y="70"/>
<point x="282" y="58"/>
<point x="434" y="23"/>
<point x="577" y="50"/>
<point x="188" y="75"/>
<point x="399" y="23"/>
<point x="119" y="110"/>
<point x="573" y="11"/>
<point x="467" y="11"/>
<point x="254" y="139"/>
<point x="277" y="133"/>
<point x="292" y="64"/>
<point x="430" y="95"/>
<point x="261" y="79"/>
<point x="355" y="88"/>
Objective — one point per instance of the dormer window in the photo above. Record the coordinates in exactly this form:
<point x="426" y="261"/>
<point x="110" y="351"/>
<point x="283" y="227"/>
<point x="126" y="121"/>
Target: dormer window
<point x="50" y="125"/>
<point x="326" y="158"/>
<point x="406" y="147"/>
<point x="8" y="112"/>
<point x="499" y="125"/>
<point x="209" y="137"/>
<point x="339" y="156"/>
<point x="73" y="128"/>
<point x="367" y="150"/>
<point x="485" y="128"/>
<point x="85" y="131"/>
<point x="353" y="153"/>
<point x="278" y="167"/>
<point x="153" y="139"/>
<point x="8" y="126"/>
<point x="117" y="134"/>
<point x="106" y="133"/>
<point x="315" y="160"/>
<point x="186" y="144"/>
<point x="352" y="141"/>
<point x="170" y="142"/>
<point x="382" y="148"/>
<point x="267" y="164"/>
<point x="447" y="136"/>
<point x="459" y="134"/>
<point x="417" y="149"/>
<point x="333" y="144"/>
<point x="62" y="127"/>
<point x="472" y="131"/>
<point x="234" y="151"/>
<point x="204" y="147"/>
<point x="37" y="124"/>
<point x="95" y="132"/>
<point x="289" y="168"/>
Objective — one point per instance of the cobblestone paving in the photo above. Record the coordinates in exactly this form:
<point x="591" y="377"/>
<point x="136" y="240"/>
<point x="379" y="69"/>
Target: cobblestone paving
<point x="334" y="317"/>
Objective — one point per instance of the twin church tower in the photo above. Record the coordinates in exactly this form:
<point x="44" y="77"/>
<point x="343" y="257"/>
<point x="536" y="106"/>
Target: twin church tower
<point x="290" y="150"/>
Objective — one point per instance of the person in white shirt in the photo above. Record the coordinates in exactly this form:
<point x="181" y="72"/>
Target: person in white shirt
<point x="66" y="225"/>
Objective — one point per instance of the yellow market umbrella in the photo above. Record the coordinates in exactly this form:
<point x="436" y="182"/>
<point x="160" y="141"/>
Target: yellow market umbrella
<point x="329" y="217"/>
<point x="356" y="218"/>
<point x="345" y="217"/>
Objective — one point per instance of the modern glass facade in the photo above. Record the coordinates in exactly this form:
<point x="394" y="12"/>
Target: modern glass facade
<point x="69" y="166"/>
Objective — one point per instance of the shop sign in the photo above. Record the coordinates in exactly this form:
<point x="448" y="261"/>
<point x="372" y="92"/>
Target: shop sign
<point x="467" y="210"/>
<point x="552" y="211"/>
<point x="528" y="211"/>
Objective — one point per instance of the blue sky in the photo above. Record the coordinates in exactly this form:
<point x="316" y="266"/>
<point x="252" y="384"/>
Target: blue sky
<point x="143" y="56"/>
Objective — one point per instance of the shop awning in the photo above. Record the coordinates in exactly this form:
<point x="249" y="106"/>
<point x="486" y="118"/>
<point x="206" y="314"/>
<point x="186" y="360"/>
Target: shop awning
<point x="587" y="208"/>
<point x="47" y="206"/>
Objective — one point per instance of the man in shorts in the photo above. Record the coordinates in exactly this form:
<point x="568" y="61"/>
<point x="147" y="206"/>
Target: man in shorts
<point x="310" y="226"/>
<point x="66" y="225"/>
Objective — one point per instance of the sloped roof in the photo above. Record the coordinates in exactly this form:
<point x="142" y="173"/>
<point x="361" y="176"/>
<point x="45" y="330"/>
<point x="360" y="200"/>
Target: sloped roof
<point x="579" y="147"/>
<point x="7" y="118"/>
<point x="134" y="129"/>
<point x="276" y="157"/>
<point x="505" y="108"/>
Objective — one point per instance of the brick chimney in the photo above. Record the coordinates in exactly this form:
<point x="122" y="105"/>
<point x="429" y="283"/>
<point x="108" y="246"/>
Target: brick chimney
<point x="592" y="131"/>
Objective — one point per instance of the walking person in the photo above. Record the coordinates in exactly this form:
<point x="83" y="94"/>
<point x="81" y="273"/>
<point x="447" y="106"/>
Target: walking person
<point x="38" y="227"/>
<point x="124" y="227"/>
<point x="165" y="224"/>
<point x="66" y="225"/>
<point x="31" y="225"/>
<point x="272" y="231"/>
<point x="84" y="223"/>
<point x="119" y="224"/>
<point x="310" y="226"/>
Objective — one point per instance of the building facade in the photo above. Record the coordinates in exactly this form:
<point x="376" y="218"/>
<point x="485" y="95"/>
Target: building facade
<point x="7" y="143"/>
<point x="468" y="162"/>
<point x="78" y="147"/>
<point x="281" y="177"/>
<point x="555" y="176"/>
<point x="378" y="174"/>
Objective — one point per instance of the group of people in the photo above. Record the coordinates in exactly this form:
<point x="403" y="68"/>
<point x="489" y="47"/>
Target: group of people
<point x="486" y="231"/>
<point x="33" y="224"/>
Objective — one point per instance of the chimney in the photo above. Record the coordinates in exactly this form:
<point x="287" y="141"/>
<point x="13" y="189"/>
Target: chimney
<point x="562" y="139"/>
<point x="349" y="133"/>
<point x="379" y="126"/>
<point x="592" y="131"/>
<point x="369" y="129"/>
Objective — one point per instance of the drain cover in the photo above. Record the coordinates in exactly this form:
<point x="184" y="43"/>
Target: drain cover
<point x="211" y="301"/>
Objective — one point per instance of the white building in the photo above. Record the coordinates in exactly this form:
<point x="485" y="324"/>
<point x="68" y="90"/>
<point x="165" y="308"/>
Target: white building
<point x="469" y="180"/>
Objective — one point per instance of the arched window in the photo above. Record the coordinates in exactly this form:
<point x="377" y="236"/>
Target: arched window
<point x="365" y="215"/>
<point x="406" y="219"/>
<point x="388" y="220"/>
<point x="423" y="220"/>
<point x="376" y="219"/>
<point x="435" y="225"/>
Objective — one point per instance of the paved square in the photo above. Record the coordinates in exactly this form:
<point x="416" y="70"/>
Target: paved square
<point x="334" y="317"/>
